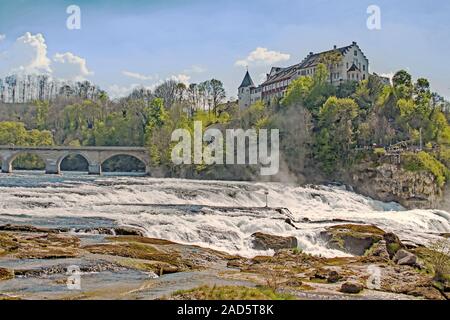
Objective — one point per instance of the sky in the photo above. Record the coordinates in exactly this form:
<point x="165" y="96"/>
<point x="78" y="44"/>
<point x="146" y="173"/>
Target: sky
<point x="124" y="44"/>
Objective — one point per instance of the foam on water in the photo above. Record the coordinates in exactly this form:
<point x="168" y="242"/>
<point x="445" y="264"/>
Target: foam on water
<point x="131" y="201"/>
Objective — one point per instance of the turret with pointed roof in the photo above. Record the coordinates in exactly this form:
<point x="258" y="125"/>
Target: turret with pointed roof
<point x="247" y="81"/>
<point x="244" y="91"/>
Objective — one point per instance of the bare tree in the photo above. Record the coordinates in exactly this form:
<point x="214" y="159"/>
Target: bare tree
<point x="217" y="93"/>
<point x="168" y="92"/>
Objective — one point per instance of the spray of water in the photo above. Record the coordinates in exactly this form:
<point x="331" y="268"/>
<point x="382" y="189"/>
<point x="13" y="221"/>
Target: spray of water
<point x="215" y="214"/>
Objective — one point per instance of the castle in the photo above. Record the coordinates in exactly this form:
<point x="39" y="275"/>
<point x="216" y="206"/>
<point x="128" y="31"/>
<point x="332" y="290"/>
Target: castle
<point x="347" y="63"/>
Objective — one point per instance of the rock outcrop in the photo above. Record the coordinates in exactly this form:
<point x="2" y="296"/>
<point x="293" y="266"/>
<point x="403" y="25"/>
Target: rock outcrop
<point x="389" y="182"/>
<point x="262" y="241"/>
<point x="352" y="238"/>
<point x="403" y="257"/>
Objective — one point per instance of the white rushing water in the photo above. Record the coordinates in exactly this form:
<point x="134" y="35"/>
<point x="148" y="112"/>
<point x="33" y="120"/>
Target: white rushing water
<point x="142" y="202"/>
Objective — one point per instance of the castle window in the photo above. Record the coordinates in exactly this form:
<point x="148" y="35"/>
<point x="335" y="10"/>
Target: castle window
<point x="364" y="67"/>
<point x="355" y="53"/>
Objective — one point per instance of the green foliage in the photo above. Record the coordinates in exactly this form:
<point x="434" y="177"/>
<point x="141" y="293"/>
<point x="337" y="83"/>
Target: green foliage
<point x="379" y="151"/>
<point x="42" y="110"/>
<point x="424" y="161"/>
<point x="298" y="91"/>
<point x="320" y="124"/>
<point x="15" y="133"/>
<point x="336" y="135"/>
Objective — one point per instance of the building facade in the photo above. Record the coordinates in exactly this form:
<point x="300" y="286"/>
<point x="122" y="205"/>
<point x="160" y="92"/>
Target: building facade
<point x="349" y="64"/>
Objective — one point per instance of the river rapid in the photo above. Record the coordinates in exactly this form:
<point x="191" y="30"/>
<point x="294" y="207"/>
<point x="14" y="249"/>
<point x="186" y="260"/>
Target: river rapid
<point x="216" y="214"/>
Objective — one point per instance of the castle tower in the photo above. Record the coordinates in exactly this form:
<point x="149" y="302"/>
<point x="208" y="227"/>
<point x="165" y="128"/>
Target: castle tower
<point x="244" y="91"/>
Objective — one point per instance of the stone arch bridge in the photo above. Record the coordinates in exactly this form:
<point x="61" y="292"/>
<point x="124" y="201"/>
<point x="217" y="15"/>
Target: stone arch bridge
<point x="53" y="156"/>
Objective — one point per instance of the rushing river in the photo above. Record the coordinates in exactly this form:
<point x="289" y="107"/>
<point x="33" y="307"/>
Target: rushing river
<point x="192" y="212"/>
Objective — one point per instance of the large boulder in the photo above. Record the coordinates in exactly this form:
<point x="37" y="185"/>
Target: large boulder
<point x="263" y="241"/>
<point x="379" y="250"/>
<point x="352" y="238"/>
<point x="403" y="257"/>
<point x="351" y="287"/>
<point x="333" y="277"/>
<point x="393" y="244"/>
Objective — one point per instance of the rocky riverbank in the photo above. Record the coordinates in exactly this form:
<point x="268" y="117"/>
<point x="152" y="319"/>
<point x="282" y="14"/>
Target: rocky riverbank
<point x="391" y="183"/>
<point x="34" y="264"/>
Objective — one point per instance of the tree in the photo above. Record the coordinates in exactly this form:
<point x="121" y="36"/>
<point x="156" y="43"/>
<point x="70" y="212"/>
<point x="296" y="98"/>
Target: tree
<point x="331" y="59"/>
<point x="298" y="91"/>
<point x="217" y="93"/>
<point x="167" y="91"/>
<point x="336" y="132"/>
<point x="42" y="110"/>
<point x="402" y="77"/>
<point x="422" y="92"/>
<point x="402" y="82"/>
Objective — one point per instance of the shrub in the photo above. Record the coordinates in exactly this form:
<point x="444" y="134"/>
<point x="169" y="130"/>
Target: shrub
<point x="423" y="161"/>
<point x="440" y="259"/>
<point x="379" y="151"/>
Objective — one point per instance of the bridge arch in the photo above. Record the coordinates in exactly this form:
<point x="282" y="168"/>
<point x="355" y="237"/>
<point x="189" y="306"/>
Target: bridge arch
<point x="53" y="156"/>
<point x="8" y="161"/>
<point x="143" y="160"/>
<point x="74" y="153"/>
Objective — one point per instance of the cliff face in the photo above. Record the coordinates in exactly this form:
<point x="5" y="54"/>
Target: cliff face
<point x="390" y="182"/>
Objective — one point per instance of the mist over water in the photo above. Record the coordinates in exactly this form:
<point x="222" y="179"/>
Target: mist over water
<point x="195" y="212"/>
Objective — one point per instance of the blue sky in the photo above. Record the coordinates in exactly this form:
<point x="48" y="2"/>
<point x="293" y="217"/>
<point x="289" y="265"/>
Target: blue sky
<point x="122" y="44"/>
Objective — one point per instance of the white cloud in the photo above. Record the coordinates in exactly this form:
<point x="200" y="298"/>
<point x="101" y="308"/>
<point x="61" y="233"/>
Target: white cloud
<point x="389" y="75"/>
<point x="119" y="91"/>
<point x="138" y="76"/>
<point x="70" y="67"/>
<point x="2" y="37"/>
<point x="28" y="54"/>
<point x="116" y="91"/>
<point x="263" y="56"/>
<point x="182" y="78"/>
<point x="195" y="69"/>
<point x="262" y="77"/>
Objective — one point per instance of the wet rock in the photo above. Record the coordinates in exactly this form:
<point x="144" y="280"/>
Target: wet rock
<point x="389" y="182"/>
<point x="426" y="292"/>
<point x="6" y="274"/>
<point x="128" y="231"/>
<point x="293" y="283"/>
<point x="100" y="230"/>
<point x="26" y="228"/>
<point x="319" y="274"/>
<point x="92" y="267"/>
<point x="393" y="244"/>
<point x="262" y="241"/>
<point x="333" y="277"/>
<point x="289" y="222"/>
<point x="379" y="250"/>
<point x="238" y="263"/>
<point x="352" y="238"/>
<point x="39" y="246"/>
<point x="403" y="257"/>
<point x="351" y="287"/>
